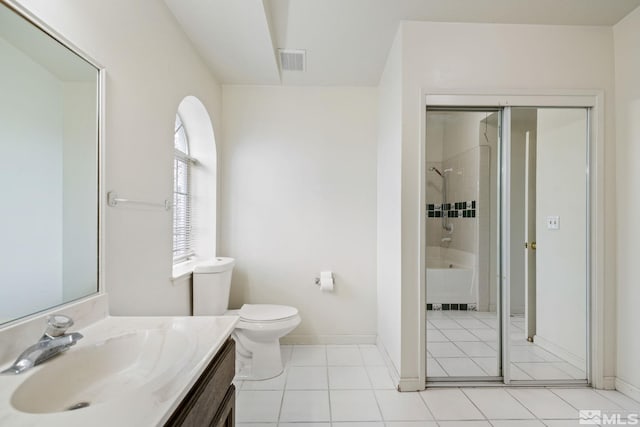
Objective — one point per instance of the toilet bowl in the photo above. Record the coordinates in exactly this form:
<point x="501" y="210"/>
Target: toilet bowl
<point x="257" y="337"/>
<point x="260" y="328"/>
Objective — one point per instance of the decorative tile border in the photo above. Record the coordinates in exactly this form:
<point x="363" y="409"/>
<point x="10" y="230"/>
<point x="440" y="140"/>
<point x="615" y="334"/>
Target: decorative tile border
<point x="449" y="307"/>
<point x="452" y="210"/>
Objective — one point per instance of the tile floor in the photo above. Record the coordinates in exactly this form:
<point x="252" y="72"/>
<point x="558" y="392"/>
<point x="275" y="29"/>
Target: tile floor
<point x="465" y="343"/>
<point x="349" y="386"/>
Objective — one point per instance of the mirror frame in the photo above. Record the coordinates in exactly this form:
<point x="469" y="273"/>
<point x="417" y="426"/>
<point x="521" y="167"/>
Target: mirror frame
<point x="40" y="25"/>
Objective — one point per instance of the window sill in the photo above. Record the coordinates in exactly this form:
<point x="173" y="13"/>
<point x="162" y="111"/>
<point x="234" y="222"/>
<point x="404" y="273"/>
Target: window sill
<point x="182" y="271"/>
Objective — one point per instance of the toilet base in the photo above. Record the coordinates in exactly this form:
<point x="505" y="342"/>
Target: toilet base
<point x="257" y="360"/>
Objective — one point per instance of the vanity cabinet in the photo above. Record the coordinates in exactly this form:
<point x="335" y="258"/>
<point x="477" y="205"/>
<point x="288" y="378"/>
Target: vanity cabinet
<point x="211" y="400"/>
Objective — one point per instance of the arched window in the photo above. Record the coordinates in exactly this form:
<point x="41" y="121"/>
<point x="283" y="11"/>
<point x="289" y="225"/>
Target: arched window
<point x="195" y="188"/>
<point x="182" y="196"/>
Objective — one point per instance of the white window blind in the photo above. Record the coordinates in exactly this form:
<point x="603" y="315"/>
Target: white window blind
<point x="182" y="199"/>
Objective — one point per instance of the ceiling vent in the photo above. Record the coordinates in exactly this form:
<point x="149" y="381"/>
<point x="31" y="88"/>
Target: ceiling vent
<point x="292" y="60"/>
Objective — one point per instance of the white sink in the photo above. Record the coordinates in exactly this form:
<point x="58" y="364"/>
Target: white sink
<point x="126" y="371"/>
<point x="104" y="370"/>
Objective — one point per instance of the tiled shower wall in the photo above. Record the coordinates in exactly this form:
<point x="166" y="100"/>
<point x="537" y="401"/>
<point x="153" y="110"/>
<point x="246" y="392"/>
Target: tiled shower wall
<point x="463" y="187"/>
<point x="463" y="206"/>
<point x="434" y="196"/>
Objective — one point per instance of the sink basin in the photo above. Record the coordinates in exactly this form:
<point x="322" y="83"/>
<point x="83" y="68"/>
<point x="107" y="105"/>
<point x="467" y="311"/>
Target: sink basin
<point x="126" y="371"/>
<point x="105" y="370"/>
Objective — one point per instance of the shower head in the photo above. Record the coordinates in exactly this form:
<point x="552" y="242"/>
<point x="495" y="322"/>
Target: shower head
<point x="435" y="169"/>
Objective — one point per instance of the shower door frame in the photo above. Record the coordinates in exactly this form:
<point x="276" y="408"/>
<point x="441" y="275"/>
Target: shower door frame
<point x="593" y="101"/>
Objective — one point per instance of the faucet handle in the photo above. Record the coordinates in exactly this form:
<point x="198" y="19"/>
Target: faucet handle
<point x="57" y="324"/>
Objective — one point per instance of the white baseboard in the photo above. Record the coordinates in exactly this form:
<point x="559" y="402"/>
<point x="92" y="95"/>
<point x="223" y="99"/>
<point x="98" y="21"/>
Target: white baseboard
<point x="393" y="372"/>
<point x="402" y="384"/>
<point x="628" y="389"/>
<point x="411" y="384"/>
<point x="609" y="383"/>
<point x="517" y="310"/>
<point x="561" y="352"/>
<point x="328" y="339"/>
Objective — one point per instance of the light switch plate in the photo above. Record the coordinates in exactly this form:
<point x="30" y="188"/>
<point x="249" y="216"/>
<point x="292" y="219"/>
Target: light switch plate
<point x="553" y="222"/>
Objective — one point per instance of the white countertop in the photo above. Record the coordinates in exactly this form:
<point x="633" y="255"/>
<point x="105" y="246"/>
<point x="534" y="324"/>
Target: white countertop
<point x="149" y="405"/>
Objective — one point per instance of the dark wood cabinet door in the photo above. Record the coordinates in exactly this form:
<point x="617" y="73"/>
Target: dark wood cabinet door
<point x="211" y="393"/>
<point x="227" y="412"/>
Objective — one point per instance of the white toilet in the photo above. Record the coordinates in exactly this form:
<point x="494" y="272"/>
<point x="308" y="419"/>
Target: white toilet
<point x="260" y="328"/>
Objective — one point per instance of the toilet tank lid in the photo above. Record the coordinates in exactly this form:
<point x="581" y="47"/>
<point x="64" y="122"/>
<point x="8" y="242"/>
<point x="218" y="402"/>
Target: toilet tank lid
<point x="216" y="265"/>
<point x="266" y="312"/>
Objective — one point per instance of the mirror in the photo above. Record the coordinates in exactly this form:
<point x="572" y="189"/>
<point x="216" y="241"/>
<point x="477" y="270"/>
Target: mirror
<point x="48" y="167"/>
<point x="462" y="291"/>
<point x="549" y="282"/>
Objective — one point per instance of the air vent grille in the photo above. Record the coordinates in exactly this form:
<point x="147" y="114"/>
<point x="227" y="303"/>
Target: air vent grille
<point x="292" y="60"/>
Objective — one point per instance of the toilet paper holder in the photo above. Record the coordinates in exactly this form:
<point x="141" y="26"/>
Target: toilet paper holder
<point x="317" y="280"/>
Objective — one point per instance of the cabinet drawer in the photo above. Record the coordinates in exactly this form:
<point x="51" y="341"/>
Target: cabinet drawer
<point x="199" y="407"/>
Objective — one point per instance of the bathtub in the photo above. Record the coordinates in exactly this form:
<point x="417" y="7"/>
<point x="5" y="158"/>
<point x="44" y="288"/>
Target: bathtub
<point x="450" y="282"/>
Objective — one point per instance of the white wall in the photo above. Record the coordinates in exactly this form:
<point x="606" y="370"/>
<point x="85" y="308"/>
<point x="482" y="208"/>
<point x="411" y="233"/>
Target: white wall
<point x="298" y="197"/>
<point x="389" y="167"/>
<point x="31" y="170"/>
<point x="454" y="57"/>
<point x="561" y="280"/>
<point x="151" y="66"/>
<point x="627" y="65"/>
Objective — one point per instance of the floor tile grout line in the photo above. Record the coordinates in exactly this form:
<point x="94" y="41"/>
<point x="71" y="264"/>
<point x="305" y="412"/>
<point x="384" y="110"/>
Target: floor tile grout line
<point x="553" y="390"/>
<point x="520" y="403"/>
<point x="328" y="385"/>
<point x="284" y="387"/>
<point x="611" y="400"/>
<point x="526" y="407"/>
<point x="480" y="366"/>
<point x="439" y="364"/>
<point x="530" y="378"/>
<point x="421" y="395"/>
<point x="366" y="372"/>
<point x="470" y="401"/>
<point x="375" y="397"/>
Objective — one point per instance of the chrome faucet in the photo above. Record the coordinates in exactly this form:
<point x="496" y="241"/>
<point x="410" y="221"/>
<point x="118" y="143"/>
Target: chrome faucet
<point x="52" y="343"/>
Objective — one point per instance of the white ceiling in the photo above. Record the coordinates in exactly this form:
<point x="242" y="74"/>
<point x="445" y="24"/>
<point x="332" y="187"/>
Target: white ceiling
<point x="347" y="40"/>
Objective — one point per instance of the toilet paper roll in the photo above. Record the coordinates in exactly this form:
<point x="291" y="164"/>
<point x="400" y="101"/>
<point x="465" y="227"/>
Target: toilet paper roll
<point x="326" y="281"/>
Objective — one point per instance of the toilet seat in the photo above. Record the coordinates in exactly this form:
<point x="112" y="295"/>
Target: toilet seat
<point x="266" y="313"/>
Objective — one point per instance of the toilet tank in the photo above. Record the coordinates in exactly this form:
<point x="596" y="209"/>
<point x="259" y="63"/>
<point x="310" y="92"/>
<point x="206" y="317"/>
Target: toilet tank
<point x="211" y="286"/>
